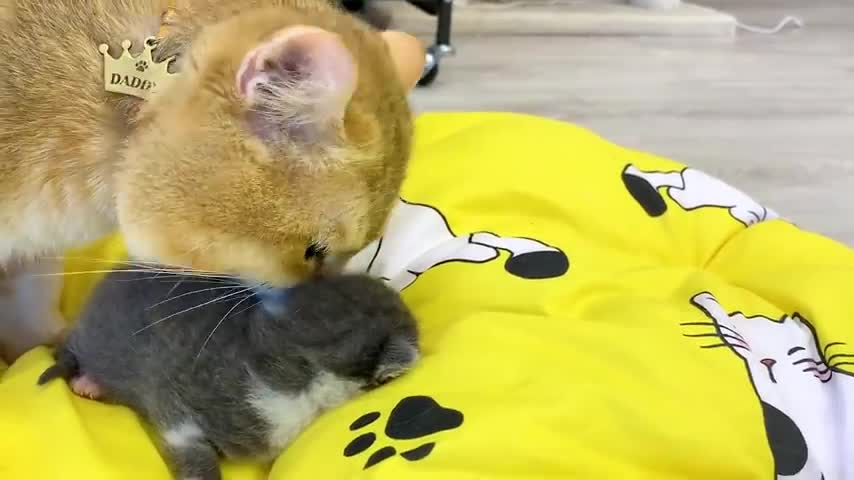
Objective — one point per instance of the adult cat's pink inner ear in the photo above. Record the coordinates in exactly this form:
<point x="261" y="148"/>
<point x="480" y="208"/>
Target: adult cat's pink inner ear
<point x="312" y="61"/>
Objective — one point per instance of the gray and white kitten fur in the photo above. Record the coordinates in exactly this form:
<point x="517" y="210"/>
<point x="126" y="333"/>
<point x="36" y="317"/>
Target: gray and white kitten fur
<point x="215" y="380"/>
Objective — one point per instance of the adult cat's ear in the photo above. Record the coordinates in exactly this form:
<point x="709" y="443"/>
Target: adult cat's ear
<point x="408" y="55"/>
<point x="297" y="83"/>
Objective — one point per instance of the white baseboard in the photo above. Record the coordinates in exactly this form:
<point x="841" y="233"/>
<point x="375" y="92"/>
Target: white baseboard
<point x="568" y="17"/>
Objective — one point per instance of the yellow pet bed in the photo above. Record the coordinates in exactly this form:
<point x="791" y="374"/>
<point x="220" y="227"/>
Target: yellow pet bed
<point x="588" y="312"/>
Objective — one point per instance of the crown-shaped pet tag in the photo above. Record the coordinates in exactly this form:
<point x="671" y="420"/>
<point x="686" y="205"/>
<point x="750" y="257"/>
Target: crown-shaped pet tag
<point x="138" y="76"/>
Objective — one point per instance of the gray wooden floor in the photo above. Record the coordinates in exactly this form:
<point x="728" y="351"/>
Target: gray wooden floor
<point x="773" y="115"/>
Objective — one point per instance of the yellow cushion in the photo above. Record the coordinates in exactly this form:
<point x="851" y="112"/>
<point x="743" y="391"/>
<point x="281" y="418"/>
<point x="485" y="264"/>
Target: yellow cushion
<point x="572" y="296"/>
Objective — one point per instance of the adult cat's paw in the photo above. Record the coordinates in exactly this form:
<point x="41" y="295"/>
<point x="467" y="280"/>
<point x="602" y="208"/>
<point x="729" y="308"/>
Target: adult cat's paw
<point x="29" y="317"/>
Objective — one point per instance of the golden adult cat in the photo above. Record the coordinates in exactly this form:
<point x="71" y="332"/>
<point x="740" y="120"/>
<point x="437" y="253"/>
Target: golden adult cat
<point x="279" y="148"/>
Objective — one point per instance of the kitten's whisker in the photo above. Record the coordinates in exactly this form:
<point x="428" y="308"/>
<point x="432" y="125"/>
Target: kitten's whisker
<point x="185" y="311"/>
<point x="188" y="293"/>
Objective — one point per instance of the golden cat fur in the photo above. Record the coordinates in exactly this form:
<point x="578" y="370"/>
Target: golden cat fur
<point x="284" y="139"/>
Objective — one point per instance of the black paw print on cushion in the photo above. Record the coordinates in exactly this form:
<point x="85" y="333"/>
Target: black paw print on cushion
<point x="412" y="418"/>
<point x="141" y="66"/>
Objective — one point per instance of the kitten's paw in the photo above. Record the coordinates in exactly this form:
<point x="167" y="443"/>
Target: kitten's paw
<point x="21" y="331"/>
<point x="86" y="387"/>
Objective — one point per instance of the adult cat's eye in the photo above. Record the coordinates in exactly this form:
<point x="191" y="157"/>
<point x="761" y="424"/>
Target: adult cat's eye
<point x="316" y="252"/>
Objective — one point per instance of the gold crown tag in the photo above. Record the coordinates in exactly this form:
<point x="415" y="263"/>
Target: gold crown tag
<point x="138" y="76"/>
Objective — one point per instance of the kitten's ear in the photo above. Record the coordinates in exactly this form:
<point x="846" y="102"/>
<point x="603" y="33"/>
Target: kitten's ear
<point x="396" y="357"/>
<point x="298" y="82"/>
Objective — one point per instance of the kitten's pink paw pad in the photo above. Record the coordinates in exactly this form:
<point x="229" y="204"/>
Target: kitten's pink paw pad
<point x="85" y="387"/>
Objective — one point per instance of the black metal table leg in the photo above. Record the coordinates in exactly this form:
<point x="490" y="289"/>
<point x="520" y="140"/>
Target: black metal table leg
<point x="442" y="47"/>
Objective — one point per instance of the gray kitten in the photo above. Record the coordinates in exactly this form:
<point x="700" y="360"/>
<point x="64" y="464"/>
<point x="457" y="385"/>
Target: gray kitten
<point x="215" y="380"/>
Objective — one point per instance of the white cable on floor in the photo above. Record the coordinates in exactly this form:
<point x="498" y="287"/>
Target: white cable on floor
<point x="785" y="22"/>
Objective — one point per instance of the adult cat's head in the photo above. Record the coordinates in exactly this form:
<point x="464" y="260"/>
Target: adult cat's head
<point x="278" y="151"/>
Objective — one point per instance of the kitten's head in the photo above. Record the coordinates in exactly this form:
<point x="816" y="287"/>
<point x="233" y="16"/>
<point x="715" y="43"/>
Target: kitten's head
<point x="352" y="326"/>
<point x="776" y="351"/>
<point x="278" y="151"/>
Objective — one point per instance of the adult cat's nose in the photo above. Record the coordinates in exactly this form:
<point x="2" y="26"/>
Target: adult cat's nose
<point x="768" y="362"/>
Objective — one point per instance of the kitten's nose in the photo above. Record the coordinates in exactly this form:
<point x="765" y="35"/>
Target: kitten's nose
<point x="768" y="362"/>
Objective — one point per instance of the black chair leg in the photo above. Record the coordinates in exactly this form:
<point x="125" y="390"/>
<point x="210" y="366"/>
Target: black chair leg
<point x="442" y="10"/>
<point x="442" y="47"/>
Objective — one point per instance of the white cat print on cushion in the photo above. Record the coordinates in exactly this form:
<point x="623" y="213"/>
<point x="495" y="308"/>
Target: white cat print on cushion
<point x="807" y="400"/>
<point x="418" y="237"/>
<point x="692" y="189"/>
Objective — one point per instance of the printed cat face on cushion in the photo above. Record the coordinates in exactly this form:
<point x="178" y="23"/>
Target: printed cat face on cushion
<point x="271" y="155"/>
<point x="776" y="351"/>
<point x="804" y="394"/>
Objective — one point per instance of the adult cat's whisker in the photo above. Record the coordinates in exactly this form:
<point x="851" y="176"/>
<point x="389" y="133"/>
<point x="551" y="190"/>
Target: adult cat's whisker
<point x="247" y="308"/>
<point x="110" y="270"/>
<point x="157" y="273"/>
<point x="178" y="280"/>
<point x="165" y="268"/>
<point x="132" y="263"/>
<point x="86" y="272"/>
<point x="231" y="299"/>
<point x="158" y="276"/>
<point x="187" y="310"/>
<point x="224" y="317"/>
<point x="194" y="292"/>
<point x="177" y="284"/>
